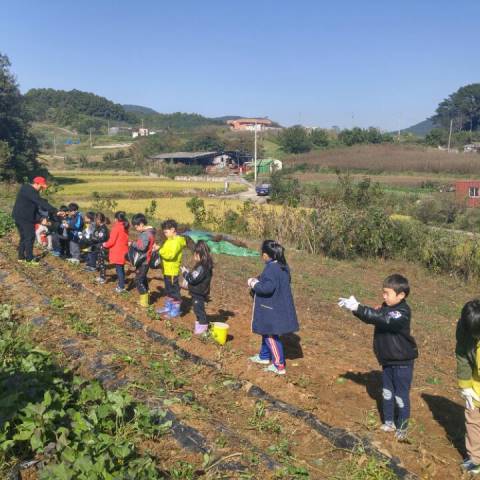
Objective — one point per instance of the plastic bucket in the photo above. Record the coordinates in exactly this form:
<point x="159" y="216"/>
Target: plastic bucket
<point x="219" y="332"/>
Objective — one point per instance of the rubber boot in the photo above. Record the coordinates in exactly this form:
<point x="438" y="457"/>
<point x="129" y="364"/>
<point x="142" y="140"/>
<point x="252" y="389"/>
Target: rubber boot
<point x="165" y="310"/>
<point x="200" y="329"/>
<point x="144" y="300"/>
<point x="175" y="310"/>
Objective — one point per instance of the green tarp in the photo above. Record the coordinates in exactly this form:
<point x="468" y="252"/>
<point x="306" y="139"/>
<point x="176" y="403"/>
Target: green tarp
<point x="223" y="246"/>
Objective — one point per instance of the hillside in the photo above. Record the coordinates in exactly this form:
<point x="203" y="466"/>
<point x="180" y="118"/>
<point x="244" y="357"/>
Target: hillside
<point x="420" y="129"/>
<point x="139" y="109"/>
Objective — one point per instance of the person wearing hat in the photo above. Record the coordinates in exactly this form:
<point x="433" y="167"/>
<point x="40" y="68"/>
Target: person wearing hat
<point x="26" y="212"/>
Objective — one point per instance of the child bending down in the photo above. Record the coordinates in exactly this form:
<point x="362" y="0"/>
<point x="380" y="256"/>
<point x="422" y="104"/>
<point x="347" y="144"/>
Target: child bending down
<point x="273" y="307"/>
<point x="468" y="375"/>
<point x="198" y="280"/>
<point x="394" y="347"/>
<point x="97" y="255"/>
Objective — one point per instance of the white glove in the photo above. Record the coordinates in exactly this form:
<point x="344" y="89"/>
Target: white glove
<point x="251" y="282"/>
<point x="183" y="269"/>
<point x="350" y="303"/>
<point x="469" y="395"/>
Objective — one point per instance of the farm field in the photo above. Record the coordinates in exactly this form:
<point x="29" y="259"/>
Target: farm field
<point x="415" y="183"/>
<point x="174" y="207"/>
<point x="332" y="372"/>
<point x="81" y="185"/>
<point x="390" y="158"/>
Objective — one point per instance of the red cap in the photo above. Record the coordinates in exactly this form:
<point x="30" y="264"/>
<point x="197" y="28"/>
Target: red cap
<point x="40" y="181"/>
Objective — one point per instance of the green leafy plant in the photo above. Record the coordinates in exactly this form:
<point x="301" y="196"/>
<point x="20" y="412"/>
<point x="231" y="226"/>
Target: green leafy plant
<point x="81" y="430"/>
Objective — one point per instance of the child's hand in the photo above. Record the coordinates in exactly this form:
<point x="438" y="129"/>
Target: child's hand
<point x="469" y="395"/>
<point x="183" y="269"/>
<point x="251" y="282"/>
<point x="350" y="303"/>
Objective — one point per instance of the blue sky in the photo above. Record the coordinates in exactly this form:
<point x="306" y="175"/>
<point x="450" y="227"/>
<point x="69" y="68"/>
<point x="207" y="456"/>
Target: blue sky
<point x="350" y="62"/>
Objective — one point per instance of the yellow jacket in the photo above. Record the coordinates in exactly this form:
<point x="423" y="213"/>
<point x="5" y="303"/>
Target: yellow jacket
<point x="171" y="254"/>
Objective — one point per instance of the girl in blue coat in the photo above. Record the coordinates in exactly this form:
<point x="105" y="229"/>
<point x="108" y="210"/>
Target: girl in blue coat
<point x="273" y="307"/>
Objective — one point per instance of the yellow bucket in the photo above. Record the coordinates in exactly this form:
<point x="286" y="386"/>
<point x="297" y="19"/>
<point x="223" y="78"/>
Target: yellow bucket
<point x="219" y="332"/>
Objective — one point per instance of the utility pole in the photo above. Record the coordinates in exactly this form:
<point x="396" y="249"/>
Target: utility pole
<point x="54" y="145"/>
<point x="450" y="135"/>
<point x="255" y="154"/>
<point x="91" y="144"/>
<point x="108" y="127"/>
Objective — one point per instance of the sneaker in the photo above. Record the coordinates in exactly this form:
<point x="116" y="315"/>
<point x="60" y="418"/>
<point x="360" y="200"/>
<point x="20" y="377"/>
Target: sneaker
<point x="73" y="261"/>
<point x="278" y="371"/>
<point x="100" y="280"/>
<point x="32" y="263"/>
<point x="261" y="361"/>
<point x="21" y="260"/>
<point x="119" y="290"/>
<point x="388" y="427"/>
<point x="401" y="435"/>
<point x="466" y="463"/>
<point x="90" y="269"/>
<point x="473" y="468"/>
<point x="200" y="329"/>
<point x="56" y="254"/>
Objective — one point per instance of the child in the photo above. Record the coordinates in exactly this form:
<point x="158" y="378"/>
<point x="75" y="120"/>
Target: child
<point x="118" y="245"/>
<point x="143" y="245"/>
<point x="96" y="255"/>
<point x="171" y="254"/>
<point x="394" y="348"/>
<point x="75" y="227"/>
<point x="60" y="234"/>
<point x="198" y="281"/>
<point x="468" y="374"/>
<point x="273" y="307"/>
<point x="43" y="234"/>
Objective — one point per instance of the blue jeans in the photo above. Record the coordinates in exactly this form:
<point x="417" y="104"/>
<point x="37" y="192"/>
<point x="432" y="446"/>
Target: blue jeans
<point x="120" y="276"/>
<point x="272" y="349"/>
<point x="397" y="380"/>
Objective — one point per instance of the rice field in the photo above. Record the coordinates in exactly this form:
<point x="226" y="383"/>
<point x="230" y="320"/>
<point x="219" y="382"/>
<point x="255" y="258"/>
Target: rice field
<point x="175" y="207"/>
<point x="82" y="185"/>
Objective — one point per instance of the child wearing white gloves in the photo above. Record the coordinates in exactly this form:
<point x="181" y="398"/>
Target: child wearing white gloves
<point x="394" y="348"/>
<point x="468" y="375"/>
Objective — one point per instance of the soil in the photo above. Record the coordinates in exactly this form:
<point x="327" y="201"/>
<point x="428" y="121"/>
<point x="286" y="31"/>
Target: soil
<point x="332" y="372"/>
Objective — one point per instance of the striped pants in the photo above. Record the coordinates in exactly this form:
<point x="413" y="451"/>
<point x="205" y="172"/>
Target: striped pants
<point x="272" y="349"/>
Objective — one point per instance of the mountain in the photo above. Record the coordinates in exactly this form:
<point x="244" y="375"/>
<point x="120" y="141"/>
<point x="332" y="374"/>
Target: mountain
<point x="139" y="109"/>
<point x="420" y="129"/>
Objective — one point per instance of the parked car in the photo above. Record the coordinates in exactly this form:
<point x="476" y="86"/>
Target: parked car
<point x="263" y="189"/>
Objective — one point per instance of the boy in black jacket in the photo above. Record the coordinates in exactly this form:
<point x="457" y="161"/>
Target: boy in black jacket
<point x="394" y="348"/>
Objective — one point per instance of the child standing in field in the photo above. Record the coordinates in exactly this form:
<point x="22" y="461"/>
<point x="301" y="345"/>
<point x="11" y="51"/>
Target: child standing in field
<point x="96" y="255"/>
<point x="198" y="280"/>
<point x="171" y="254"/>
<point x="468" y="375"/>
<point x="75" y="227"/>
<point x="60" y="234"/>
<point x="274" y="311"/>
<point x="117" y="244"/>
<point x="394" y="347"/>
<point x="143" y="245"/>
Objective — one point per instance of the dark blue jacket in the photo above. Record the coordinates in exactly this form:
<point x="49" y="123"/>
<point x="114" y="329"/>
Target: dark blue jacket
<point x="75" y="226"/>
<point x="274" y="310"/>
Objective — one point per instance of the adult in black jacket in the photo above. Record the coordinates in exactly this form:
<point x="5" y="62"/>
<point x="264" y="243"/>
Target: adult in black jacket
<point x="26" y="213"/>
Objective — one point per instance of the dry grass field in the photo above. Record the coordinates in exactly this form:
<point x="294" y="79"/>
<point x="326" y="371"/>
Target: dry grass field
<point x="390" y="158"/>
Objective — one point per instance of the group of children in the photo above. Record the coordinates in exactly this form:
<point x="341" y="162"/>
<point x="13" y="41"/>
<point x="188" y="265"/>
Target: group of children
<point x="78" y="237"/>
<point x="274" y="312"/>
